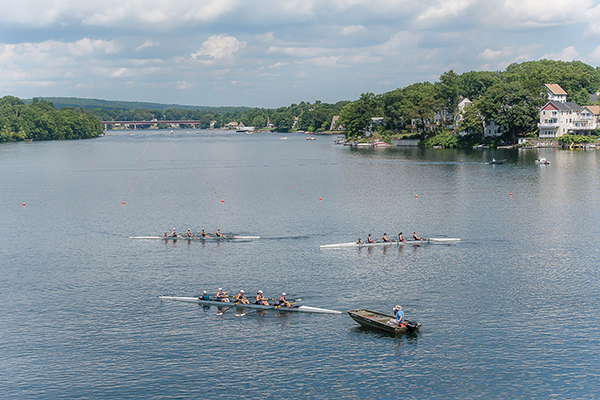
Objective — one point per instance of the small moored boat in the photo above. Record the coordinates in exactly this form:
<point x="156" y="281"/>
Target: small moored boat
<point x="382" y="322"/>
<point x="494" y="161"/>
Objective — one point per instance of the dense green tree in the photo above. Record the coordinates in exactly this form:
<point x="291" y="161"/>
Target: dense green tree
<point x="471" y="121"/>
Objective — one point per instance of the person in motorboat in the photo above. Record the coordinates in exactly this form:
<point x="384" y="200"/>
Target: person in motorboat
<point x="260" y="299"/>
<point x="173" y="234"/>
<point x="399" y="314"/>
<point x="282" y="301"/>
<point x="384" y="238"/>
<point x="240" y="298"/>
<point x="401" y="238"/>
<point x="359" y="241"/>
<point x="218" y="233"/>
<point x="222" y="296"/>
<point x="205" y="296"/>
<point x="202" y="233"/>
<point x="369" y="239"/>
<point x="416" y="237"/>
<point x="493" y="160"/>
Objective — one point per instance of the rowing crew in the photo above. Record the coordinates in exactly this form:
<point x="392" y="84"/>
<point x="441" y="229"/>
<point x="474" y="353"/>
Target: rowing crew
<point x="190" y="234"/>
<point x="240" y="298"/>
<point x="385" y="239"/>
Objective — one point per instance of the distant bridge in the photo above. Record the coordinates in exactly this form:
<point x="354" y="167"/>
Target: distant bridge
<point x="136" y="123"/>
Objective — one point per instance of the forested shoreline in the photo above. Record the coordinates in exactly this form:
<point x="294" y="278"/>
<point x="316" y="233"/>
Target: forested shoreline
<point x="40" y="120"/>
<point x="511" y="98"/>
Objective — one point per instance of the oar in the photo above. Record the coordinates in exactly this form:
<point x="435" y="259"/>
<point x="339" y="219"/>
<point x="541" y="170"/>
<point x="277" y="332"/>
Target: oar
<point x="227" y="308"/>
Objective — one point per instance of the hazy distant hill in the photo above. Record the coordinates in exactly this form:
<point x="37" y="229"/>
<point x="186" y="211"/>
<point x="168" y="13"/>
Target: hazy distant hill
<point x="60" y="102"/>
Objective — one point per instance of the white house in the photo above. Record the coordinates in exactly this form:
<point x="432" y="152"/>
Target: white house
<point x="556" y="93"/>
<point x="557" y="119"/>
<point x="490" y="129"/>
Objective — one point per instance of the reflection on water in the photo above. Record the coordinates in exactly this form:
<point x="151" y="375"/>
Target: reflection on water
<point x="512" y="309"/>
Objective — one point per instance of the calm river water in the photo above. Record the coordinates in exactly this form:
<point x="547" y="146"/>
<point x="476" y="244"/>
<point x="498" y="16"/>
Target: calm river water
<point x="511" y="311"/>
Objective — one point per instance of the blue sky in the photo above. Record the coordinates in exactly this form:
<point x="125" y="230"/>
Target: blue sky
<point x="271" y="53"/>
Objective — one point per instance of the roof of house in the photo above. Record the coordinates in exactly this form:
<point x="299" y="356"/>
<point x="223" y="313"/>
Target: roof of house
<point x="555" y="89"/>
<point x="593" y="98"/>
<point x="594" y="109"/>
<point x="559" y="105"/>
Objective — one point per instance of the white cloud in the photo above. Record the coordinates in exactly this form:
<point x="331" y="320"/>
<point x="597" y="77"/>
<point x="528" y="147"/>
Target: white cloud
<point x="567" y="54"/>
<point x="489" y="54"/>
<point x="348" y="30"/>
<point x="147" y="44"/>
<point x="217" y="48"/>
<point x="445" y="9"/>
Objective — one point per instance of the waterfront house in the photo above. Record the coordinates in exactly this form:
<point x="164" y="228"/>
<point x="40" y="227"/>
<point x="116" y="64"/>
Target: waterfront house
<point x="557" y="119"/>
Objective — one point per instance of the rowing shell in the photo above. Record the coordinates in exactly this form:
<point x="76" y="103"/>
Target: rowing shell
<point x="206" y="238"/>
<point x="392" y="243"/>
<point x="304" y="309"/>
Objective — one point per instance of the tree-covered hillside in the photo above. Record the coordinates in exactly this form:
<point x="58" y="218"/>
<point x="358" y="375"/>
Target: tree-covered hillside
<point x="40" y="120"/>
<point x="512" y="98"/>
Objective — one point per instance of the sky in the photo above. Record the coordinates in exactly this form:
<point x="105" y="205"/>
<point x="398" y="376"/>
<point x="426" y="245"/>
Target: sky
<point x="272" y="53"/>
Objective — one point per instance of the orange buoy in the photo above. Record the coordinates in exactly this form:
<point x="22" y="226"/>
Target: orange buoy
<point x="416" y="196"/>
<point x="23" y="204"/>
<point x="511" y="194"/>
<point x="320" y="198"/>
<point x="123" y="203"/>
<point x="222" y="201"/>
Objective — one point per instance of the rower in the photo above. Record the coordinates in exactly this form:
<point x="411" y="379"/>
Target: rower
<point x="240" y="298"/>
<point x="400" y="238"/>
<point x="282" y="301"/>
<point x="222" y="296"/>
<point x="399" y="314"/>
<point x="369" y="240"/>
<point x="416" y="237"/>
<point x="205" y="296"/>
<point x="260" y="299"/>
<point x="202" y="233"/>
<point x="359" y="241"/>
<point x="189" y="234"/>
<point x="166" y="234"/>
<point x="384" y="238"/>
<point x="173" y="234"/>
<point x="218" y="233"/>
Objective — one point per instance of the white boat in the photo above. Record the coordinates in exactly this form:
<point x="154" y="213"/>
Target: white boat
<point x="380" y="145"/>
<point x="362" y="144"/>
<point x="292" y="308"/>
<point x="245" y="129"/>
<point x="311" y="138"/>
<point x="392" y="243"/>
<point x="205" y="238"/>
<point x="542" y="160"/>
<point x="284" y="138"/>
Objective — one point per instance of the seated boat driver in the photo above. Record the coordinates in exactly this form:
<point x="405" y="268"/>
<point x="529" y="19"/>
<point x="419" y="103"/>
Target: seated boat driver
<point x="400" y="238"/>
<point x="282" y="301"/>
<point x="205" y="296"/>
<point x="173" y="234"/>
<point x="416" y="237"/>
<point x="218" y="233"/>
<point x="384" y="238"/>
<point x="240" y="298"/>
<point x="222" y="296"/>
<point x="399" y="314"/>
<point x="260" y="299"/>
<point x="359" y="241"/>
<point x="369" y="240"/>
